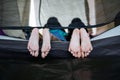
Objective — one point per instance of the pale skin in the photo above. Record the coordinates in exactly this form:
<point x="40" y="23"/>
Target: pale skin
<point x="86" y="45"/>
<point x="46" y="46"/>
<point x="33" y="43"/>
<point x="80" y="50"/>
<point x="75" y="48"/>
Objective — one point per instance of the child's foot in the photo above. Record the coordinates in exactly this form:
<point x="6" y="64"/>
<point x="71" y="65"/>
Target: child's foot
<point x="33" y="43"/>
<point x="46" y="46"/>
<point x="86" y="45"/>
<point x="74" y="46"/>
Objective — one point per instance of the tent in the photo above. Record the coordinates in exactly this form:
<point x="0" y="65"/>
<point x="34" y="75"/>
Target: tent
<point x="17" y="64"/>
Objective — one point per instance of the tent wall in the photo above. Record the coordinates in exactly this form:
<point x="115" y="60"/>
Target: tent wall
<point x="106" y="10"/>
<point x="23" y="7"/>
<point x="117" y="19"/>
<point x="12" y="12"/>
<point x="102" y="11"/>
<point x="0" y="12"/>
<point x="62" y="9"/>
<point x="16" y="12"/>
<point x="90" y="11"/>
<point x="35" y="6"/>
<point x="65" y="10"/>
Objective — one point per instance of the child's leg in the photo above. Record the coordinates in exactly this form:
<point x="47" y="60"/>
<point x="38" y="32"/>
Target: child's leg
<point x="74" y="46"/>
<point x="33" y="43"/>
<point x="46" y="46"/>
<point x="86" y="45"/>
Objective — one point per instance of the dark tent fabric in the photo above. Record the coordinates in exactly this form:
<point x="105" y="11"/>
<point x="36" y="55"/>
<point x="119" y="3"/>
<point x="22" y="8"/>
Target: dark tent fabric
<point x="11" y="15"/>
<point x="61" y="69"/>
<point x="17" y="64"/>
<point x="18" y="49"/>
<point x="16" y="13"/>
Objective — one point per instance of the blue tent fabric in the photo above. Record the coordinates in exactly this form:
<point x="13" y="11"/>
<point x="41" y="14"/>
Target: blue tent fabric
<point x="59" y="34"/>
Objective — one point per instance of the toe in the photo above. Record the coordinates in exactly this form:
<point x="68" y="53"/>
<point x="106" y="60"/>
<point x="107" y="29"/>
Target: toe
<point x="79" y="54"/>
<point x="36" y="53"/>
<point x="43" y="55"/>
<point x="82" y="54"/>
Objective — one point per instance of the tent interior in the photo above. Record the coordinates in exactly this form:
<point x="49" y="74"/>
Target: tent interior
<point x="34" y="13"/>
<point x="17" y="64"/>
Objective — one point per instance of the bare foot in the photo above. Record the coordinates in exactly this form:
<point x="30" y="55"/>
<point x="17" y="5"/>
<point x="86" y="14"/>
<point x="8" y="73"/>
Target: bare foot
<point x="33" y="43"/>
<point x="86" y="45"/>
<point x="46" y="46"/>
<point x="74" y="46"/>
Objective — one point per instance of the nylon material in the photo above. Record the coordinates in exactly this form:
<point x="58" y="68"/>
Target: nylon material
<point x="60" y="69"/>
<point x="104" y="47"/>
<point x="1" y="12"/>
<point x="36" y="7"/>
<point x="11" y="17"/>
<point x="105" y="11"/>
<point x="100" y="15"/>
<point x="21" y="6"/>
<point x="10" y="13"/>
<point x="64" y="10"/>
<point x="26" y="12"/>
